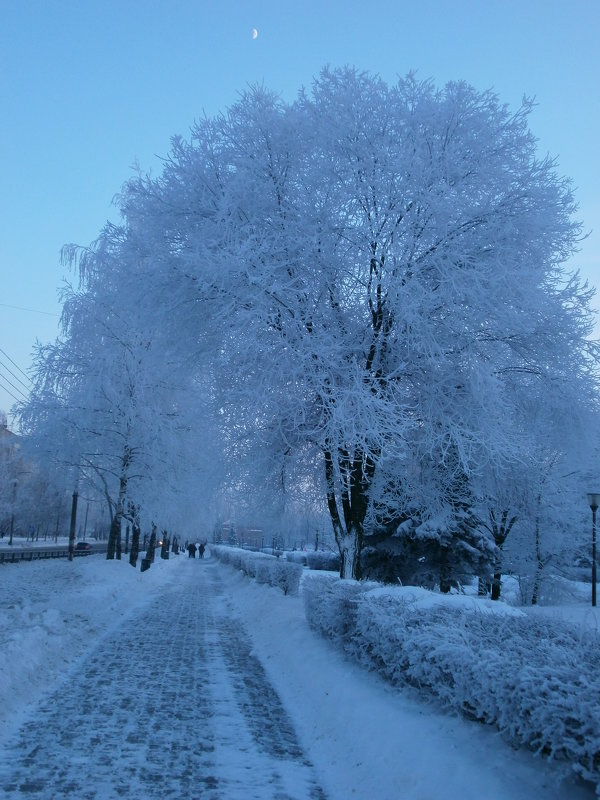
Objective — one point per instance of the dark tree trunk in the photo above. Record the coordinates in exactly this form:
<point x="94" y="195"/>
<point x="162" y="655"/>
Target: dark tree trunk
<point x="114" y="534"/>
<point x="445" y="582"/>
<point x="164" y="550"/>
<point x="135" y="544"/>
<point x="536" y="588"/>
<point x="496" y="584"/>
<point x="151" y="546"/>
<point x="349" y="533"/>
<point x="500" y="530"/>
<point x="114" y="537"/>
<point x="541" y="563"/>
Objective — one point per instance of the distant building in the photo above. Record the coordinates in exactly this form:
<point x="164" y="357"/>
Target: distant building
<point x="241" y="535"/>
<point x="8" y="439"/>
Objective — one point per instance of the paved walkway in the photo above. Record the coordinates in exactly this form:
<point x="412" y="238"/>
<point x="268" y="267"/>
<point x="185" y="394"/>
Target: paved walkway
<point x="175" y="706"/>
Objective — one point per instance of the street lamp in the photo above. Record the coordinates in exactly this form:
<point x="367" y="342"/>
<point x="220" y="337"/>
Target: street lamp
<point x="12" y="516"/>
<point x="73" y="525"/>
<point x="594" y="502"/>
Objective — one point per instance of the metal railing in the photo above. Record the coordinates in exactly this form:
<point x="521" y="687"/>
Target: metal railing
<point x="34" y="553"/>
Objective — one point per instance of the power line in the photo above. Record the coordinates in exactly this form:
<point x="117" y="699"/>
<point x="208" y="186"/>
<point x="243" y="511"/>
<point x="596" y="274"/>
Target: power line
<point x="15" y="364"/>
<point x="9" y="392"/>
<point x="16" y="388"/>
<point x="32" y="310"/>
<point x="16" y="377"/>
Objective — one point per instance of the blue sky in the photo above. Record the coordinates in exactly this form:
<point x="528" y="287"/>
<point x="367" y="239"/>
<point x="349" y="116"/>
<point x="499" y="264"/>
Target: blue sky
<point x="89" y="87"/>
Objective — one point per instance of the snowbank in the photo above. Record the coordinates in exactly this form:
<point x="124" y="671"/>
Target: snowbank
<point x="51" y="610"/>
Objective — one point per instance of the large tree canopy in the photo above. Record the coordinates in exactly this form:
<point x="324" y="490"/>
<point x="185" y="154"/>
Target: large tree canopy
<point x="371" y="280"/>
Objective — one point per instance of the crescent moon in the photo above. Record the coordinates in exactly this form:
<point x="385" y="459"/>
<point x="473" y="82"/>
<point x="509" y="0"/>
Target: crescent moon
<point x="254" y="33"/>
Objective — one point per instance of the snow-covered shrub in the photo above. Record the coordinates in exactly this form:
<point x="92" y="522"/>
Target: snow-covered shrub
<point x="536" y="680"/>
<point x="264" y="568"/>
<point x="228" y="555"/>
<point x="234" y="556"/>
<point x="321" y="560"/>
<point x="245" y="562"/>
<point x="286" y="576"/>
<point x="296" y="557"/>
<point x="250" y="562"/>
<point x="329" y="605"/>
<point x="411" y="639"/>
<point x="315" y="559"/>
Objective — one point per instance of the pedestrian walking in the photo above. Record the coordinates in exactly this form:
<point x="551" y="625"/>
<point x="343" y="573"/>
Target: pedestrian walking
<point x="201" y="549"/>
<point x="192" y="550"/>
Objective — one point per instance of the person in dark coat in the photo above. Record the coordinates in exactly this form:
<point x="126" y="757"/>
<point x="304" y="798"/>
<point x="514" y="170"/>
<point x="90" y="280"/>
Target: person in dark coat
<point x="192" y="550"/>
<point x="201" y="549"/>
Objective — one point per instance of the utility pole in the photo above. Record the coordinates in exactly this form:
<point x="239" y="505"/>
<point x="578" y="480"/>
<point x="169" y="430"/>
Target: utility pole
<point x="594" y="503"/>
<point x="12" y="516"/>
<point x="73" y="524"/>
<point x="87" y="508"/>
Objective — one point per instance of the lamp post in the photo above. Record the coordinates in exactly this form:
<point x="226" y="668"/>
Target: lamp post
<point x="73" y="524"/>
<point x="12" y="516"/>
<point x="594" y="502"/>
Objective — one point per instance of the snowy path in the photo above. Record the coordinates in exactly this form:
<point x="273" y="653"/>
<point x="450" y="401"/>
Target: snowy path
<point x="191" y="681"/>
<point x="175" y="706"/>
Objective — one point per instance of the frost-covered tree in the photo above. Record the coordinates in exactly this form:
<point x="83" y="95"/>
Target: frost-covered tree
<point x="369" y="287"/>
<point x="374" y="277"/>
<point x="105" y="404"/>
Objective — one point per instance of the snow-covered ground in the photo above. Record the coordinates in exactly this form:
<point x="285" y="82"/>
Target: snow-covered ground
<point x="365" y="738"/>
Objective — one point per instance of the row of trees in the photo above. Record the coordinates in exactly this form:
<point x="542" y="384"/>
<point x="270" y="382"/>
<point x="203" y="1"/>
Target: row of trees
<point x="35" y="502"/>
<point x="354" y="303"/>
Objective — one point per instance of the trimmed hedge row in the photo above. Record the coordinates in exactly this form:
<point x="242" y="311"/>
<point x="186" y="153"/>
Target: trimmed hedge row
<point x="315" y="559"/>
<point x="536" y="680"/>
<point x="265" y="568"/>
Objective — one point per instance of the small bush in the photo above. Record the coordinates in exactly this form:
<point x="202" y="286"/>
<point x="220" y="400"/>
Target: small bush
<point x="286" y="576"/>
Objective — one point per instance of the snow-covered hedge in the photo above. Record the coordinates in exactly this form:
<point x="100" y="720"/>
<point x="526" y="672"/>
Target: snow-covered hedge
<point x="265" y="568"/>
<point x="536" y="680"/>
<point x="322" y="560"/>
<point x="315" y="559"/>
<point x="283" y="574"/>
<point x="296" y="557"/>
<point x="330" y="607"/>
